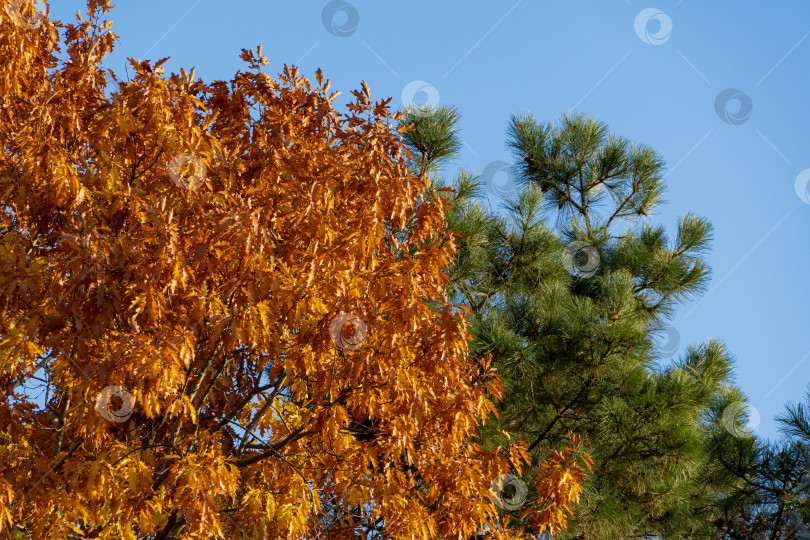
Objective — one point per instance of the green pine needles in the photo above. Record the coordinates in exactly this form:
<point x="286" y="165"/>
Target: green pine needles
<point x="569" y="285"/>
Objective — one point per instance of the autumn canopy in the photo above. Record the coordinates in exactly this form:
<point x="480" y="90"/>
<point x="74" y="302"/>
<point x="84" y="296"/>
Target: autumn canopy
<point x="222" y="311"/>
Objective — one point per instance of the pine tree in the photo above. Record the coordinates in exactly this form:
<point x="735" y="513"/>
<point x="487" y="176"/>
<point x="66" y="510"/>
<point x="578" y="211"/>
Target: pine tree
<point x="770" y="497"/>
<point x="569" y="286"/>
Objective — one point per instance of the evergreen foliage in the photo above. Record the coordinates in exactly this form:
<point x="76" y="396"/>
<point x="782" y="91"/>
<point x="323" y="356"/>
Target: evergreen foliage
<point x="570" y="285"/>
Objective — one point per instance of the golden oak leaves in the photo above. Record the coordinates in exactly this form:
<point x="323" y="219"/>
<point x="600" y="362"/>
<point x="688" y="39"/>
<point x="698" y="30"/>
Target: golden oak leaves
<point x="178" y="262"/>
<point x="558" y="482"/>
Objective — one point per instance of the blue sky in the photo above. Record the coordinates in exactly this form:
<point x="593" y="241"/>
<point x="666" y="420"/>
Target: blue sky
<point x="652" y="72"/>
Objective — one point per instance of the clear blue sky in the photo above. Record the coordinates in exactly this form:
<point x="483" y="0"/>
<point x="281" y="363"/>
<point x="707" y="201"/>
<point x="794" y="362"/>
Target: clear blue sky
<point x="653" y="76"/>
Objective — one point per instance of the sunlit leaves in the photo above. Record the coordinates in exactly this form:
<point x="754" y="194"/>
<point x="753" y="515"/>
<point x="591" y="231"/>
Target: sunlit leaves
<point x="190" y="244"/>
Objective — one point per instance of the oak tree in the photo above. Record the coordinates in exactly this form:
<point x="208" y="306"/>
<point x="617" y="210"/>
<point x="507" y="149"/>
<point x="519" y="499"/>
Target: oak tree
<point x="223" y="311"/>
